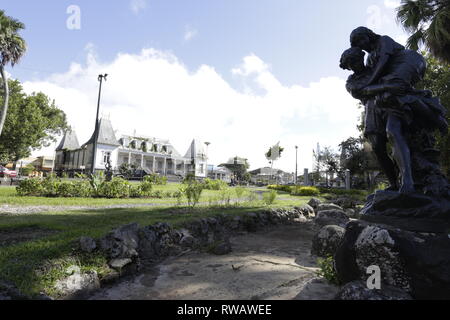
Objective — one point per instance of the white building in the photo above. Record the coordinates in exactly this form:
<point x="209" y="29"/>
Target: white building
<point x="151" y="155"/>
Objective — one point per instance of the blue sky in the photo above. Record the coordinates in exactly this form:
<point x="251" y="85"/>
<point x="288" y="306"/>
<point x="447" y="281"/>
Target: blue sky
<point x="254" y="47"/>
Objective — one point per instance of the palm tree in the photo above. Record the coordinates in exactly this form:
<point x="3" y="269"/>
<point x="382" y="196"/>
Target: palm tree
<point x="12" y="48"/>
<point x="428" y="22"/>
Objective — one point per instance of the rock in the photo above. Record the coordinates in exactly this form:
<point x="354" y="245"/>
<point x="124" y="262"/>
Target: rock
<point x="314" y="203"/>
<point x="358" y="290"/>
<point x="331" y="217"/>
<point x="327" y="240"/>
<point x="306" y="210"/>
<point x="148" y="247"/>
<point x="418" y="263"/>
<point x="78" y="284"/>
<point x="122" y="242"/>
<point x="87" y="244"/>
<point x="187" y="240"/>
<point x="328" y="206"/>
<point x="221" y="248"/>
<point x="119" y="264"/>
<point x="346" y="202"/>
<point x="351" y="213"/>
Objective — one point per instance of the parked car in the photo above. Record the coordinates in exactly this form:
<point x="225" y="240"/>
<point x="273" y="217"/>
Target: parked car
<point x="6" y="173"/>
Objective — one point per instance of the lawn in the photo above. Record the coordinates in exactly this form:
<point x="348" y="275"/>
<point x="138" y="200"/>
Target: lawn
<point x="35" y="249"/>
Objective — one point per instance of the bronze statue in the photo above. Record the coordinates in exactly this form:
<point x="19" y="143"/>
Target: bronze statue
<point x="394" y="108"/>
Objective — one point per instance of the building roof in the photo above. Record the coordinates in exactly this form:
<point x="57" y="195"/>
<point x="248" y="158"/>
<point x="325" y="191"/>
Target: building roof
<point x="106" y="134"/>
<point x="69" y="141"/>
<point x="266" y="171"/>
<point x="196" y="150"/>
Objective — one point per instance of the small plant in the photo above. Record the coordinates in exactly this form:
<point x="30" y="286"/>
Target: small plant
<point x="146" y="186"/>
<point x="192" y="190"/>
<point x="30" y="187"/>
<point x="179" y="196"/>
<point x="270" y="197"/>
<point x="225" y="197"/>
<point x="327" y="270"/>
<point x="305" y="191"/>
<point x="210" y="184"/>
<point x="116" y="188"/>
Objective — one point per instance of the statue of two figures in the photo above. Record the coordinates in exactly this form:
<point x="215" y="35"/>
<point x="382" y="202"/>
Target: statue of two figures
<point x="399" y="115"/>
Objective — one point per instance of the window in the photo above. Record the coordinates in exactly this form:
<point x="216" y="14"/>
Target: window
<point x="106" y="157"/>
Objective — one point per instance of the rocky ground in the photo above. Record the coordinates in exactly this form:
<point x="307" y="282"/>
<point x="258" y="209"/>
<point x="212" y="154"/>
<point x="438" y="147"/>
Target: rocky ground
<point x="274" y="264"/>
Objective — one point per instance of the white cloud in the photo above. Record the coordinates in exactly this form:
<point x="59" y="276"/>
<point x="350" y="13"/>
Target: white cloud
<point x="155" y="94"/>
<point x="189" y="33"/>
<point x="392" y="4"/>
<point x="376" y="19"/>
<point x="138" y="5"/>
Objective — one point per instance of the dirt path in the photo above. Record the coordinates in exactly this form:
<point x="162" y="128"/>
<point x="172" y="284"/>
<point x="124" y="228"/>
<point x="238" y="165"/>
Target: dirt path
<point x="266" y="265"/>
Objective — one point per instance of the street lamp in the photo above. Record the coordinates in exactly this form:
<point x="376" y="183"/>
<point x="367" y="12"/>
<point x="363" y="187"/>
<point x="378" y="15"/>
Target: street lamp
<point x="296" y="164"/>
<point x="206" y="161"/>
<point x="94" y="151"/>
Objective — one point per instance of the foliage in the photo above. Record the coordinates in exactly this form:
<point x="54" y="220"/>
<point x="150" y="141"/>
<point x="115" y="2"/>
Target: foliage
<point x="127" y="170"/>
<point x="428" y="23"/>
<point x="30" y="187"/>
<point x="192" y="190"/>
<point x="269" y="153"/>
<point x="116" y="188"/>
<point x="26" y="171"/>
<point x="32" y="121"/>
<point x="305" y="191"/>
<point x="287" y="189"/>
<point x="157" y="179"/>
<point x="269" y="197"/>
<point x="146" y="186"/>
<point x="327" y="270"/>
<point x="210" y="184"/>
<point x="437" y="79"/>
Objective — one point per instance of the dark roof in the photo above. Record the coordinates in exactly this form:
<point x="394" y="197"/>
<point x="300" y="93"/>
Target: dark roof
<point x="106" y="134"/>
<point x="69" y="141"/>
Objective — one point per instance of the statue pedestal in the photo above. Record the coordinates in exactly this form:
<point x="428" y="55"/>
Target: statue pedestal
<point x="407" y="237"/>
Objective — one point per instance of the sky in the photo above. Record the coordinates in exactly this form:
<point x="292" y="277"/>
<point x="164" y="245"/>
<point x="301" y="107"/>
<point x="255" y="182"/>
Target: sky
<point x="240" y="74"/>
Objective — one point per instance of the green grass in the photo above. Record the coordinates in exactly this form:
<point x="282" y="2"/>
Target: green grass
<point x="34" y="266"/>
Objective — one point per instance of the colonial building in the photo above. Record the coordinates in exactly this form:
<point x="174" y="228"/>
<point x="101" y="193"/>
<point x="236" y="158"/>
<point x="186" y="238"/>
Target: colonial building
<point x="149" y="154"/>
<point x="271" y="176"/>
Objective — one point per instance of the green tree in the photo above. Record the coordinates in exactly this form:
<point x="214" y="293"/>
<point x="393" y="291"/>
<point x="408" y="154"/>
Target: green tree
<point x="12" y="48"/>
<point x="428" y="22"/>
<point x="437" y="79"/>
<point x="32" y="121"/>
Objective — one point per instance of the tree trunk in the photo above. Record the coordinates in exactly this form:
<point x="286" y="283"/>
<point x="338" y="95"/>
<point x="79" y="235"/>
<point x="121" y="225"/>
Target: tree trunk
<point x="4" y="110"/>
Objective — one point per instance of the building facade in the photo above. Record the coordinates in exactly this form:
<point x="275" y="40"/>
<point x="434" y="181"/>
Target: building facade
<point x="149" y="154"/>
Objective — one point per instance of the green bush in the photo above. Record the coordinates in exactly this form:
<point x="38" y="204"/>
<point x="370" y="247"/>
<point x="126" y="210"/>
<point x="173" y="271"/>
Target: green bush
<point x="192" y="190"/>
<point x="135" y="191"/>
<point x="305" y="191"/>
<point x="82" y="189"/>
<point x="30" y="187"/>
<point x="210" y="184"/>
<point x="146" y="186"/>
<point x="156" y="179"/>
<point x="116" y="188"/>
<point x="287" y="189"/>
<point x="327" y="270"/>
<point x="50" y="185"/>
<point x="270" y="197"/>
<point x="66" y="189"/>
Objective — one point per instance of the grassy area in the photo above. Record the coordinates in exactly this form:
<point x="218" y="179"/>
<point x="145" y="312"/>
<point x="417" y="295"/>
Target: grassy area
<point x="35" y="264"/>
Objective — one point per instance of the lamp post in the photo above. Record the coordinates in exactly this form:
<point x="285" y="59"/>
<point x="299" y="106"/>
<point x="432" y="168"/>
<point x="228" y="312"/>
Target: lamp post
<point x="94" y="151"/>
<point x="207" y="154"/>
<point x="296" y="164"/>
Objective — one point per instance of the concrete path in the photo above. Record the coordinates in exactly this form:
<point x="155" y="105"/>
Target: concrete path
<point x="266" y="265"/>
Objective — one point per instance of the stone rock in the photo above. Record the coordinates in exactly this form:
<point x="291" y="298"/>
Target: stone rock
<point x="119" y="264"/>
<point x="357" y="290"/>
<point x="418" y="263"/>
<point x="122" y="242"/>
<point x="148" y="248"/>
<point x="87" y="244"/>
<point x="331" y="217"/>
<point x="221" y="248"/>
<point x="306" y="211"/>
<point x="78" y="284"/>
<point x="352" y="213"/>
<point x="328" y="206"/>
<point x="327" y="240"/>
<point x="187" y="240"/>
<point x="314" y="203"/>
<point x="346" y="202"/>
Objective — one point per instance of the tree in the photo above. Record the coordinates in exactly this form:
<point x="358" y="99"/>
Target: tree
<point x="33" y="121"/>
<point x="437" y="79"/>
<point x="428" y="22"/>
<point x="238" y="166"/>
<point x="12" y="48"/>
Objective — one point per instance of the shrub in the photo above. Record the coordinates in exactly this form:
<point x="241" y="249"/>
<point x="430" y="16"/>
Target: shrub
<point x="225" y="196"/>
<point x="192" y="190"/>
<point x="158" y="194"/>
<point x="327" y="270"/>
<point x="156" y="179"/>
<point x="50" y="185"/>
<point x="82" y="189"/>
<point x="179" y="196"/>
<point x="135" y="191"/>
<point x="305" y="191"/>
<point x="66" y="189"/>
<point x="116" y="188"/>
<point x="210" y="184"/>
<point x="287" y="189"/>
<point x="146" y="186"/>
<point x="30" y="187"/>
<point x="269" y="197"/>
